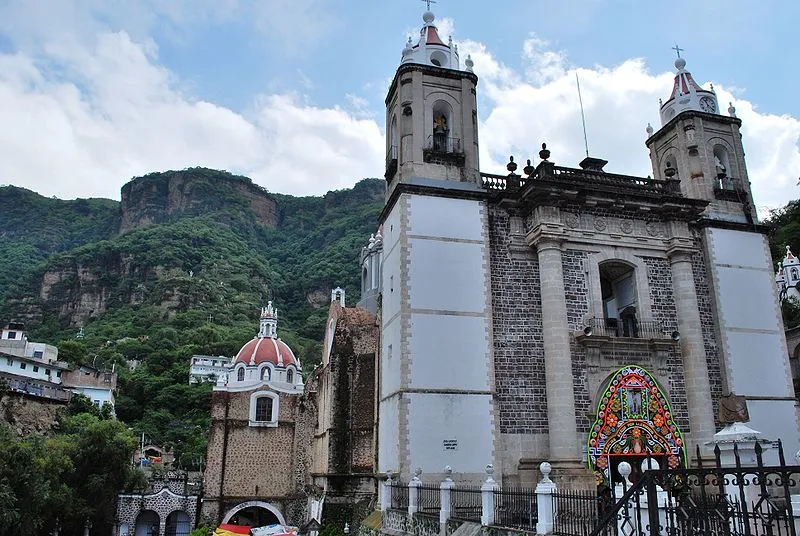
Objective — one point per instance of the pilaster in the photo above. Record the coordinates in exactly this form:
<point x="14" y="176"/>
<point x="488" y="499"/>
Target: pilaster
<point x="698" y="387"/>
<point x="557" y="356"/>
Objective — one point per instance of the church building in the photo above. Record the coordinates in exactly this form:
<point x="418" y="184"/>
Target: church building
<point x="567" y="314"/>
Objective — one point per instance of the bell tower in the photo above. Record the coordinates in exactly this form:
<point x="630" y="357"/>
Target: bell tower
<point x="431" y="113"/>
<point x="435" y="394"/>
<point x="702" y="149"/>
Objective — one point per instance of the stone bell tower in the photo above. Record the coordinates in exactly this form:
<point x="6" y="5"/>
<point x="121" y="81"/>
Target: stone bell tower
<point x="435" y="390"/>
<point x="702" y="150"/>
<point x="431" y="113"/>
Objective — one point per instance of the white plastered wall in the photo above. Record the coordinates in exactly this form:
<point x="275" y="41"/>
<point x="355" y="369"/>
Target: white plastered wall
<point x="751" y="330"/>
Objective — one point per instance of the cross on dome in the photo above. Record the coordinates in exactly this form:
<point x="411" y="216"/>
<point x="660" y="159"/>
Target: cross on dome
<point x="429" y="2"/>
<point x="678" y="50"/>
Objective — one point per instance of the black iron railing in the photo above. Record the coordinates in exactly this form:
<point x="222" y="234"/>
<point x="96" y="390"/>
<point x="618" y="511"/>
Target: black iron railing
<point x="707" y="501"/>
<point x="729" y="189"/>
<point x="576" y="512"/>
<point x="442" y="143"/>
<point x="516" y="508"/>
<point x="465" y="504"/>
<point x="630" y="327"/>
<point x="429" y="499"/>
<point x="399" y="496"/>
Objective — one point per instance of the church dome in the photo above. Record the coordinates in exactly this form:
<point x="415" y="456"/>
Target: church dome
<point x="266" y="347"/>
<point x="266" y="350"/>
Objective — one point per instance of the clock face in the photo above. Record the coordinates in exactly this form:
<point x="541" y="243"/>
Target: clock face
<point x="707" y="104"/>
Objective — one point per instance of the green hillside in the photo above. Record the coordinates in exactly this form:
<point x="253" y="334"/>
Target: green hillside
<point x="159" y="293"/>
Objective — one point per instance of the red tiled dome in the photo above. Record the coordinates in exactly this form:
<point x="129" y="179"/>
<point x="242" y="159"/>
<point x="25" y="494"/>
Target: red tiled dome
<point x="261" y="350"/>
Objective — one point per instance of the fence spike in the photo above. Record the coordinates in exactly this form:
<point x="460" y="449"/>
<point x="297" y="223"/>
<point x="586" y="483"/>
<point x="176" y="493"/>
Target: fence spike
<point x="759" y="450"/>
<point x="781" y="456"/>
<point x="699" y="457"/>
<point x="718" y="456"/>
<point x="736" y="456"/>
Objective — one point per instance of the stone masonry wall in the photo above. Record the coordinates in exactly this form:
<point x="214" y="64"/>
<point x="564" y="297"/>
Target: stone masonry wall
<point x="573" y="264"/>
<point x="517" y="332"/>
<point x="705" y="304"/>
<point x="662" y="299"/>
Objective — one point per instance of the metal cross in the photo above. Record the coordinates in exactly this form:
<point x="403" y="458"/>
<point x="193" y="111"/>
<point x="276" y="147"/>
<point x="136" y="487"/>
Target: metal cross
<point x="429" y="2"/>
<point x="677" y="49"/>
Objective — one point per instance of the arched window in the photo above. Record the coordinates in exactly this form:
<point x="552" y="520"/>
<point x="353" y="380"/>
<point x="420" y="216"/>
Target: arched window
<point x="263" y="409"/>
<point x="393" y="139"/>
<point x="290" y="376"/>
<point x="618" y="289"/>
<point x="240" y="374"/>
<point x="265" y="374"/>
<point x="794" y="274"/>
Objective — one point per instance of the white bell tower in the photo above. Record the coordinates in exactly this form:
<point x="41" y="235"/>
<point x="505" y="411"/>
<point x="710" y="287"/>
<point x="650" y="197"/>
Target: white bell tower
<point x="435" y="391"/>
<point x="431" y="113"/>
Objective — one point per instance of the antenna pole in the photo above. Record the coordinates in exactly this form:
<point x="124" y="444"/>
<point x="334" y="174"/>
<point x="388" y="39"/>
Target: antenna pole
<point x="583" y="117"/>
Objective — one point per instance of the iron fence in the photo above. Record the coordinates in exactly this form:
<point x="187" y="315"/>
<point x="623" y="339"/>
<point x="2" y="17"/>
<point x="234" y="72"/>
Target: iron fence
<point x="516" y="508"/>
<point x="466" y="504"/>
<point x="429" y="499"/>
<point x="575" y="512"/>
<point x="399" y="496"/>
<point x="708" y="500"/>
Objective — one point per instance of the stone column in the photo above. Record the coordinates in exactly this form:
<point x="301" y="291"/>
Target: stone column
<point x="557" y="356"/>
<point x="445" y="490"/>
<point x="695" y="367"/>
<point x="487" y="497"/>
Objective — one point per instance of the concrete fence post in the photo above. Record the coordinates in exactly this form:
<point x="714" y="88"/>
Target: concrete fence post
<point x="487" y="497"/>
<point x="413" y="492"/>
<point x="444" y="496"/>
<point x="544" y="501"/>
<point x="386" y="492"/>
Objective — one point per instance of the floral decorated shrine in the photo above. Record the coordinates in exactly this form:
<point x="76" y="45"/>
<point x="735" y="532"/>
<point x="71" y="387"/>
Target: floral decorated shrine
<point x="634" y="420"/>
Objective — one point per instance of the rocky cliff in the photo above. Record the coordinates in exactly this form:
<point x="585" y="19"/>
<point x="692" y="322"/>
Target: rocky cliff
<point x="165" y="197"/>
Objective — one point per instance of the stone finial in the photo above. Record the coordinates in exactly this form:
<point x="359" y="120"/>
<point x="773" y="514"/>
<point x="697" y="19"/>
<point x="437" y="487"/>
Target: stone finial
<point x="469" y="63"/>
<point x="624" y="469"/>
<point x="731" y="110"/>
<point x="346" y="528"/>
<point x="545" y="468"/>
<point x="528" y="169"/>
<point x="448" y="473"/>
<point x="389" y="475"/>
<point x="544" y="154"/>
<point x="418" y="474"/>
<point x="649" y="129"/>
<point x="511" y="166"/>
<point x="650" y="463"/>
<point x="489" y="472"/>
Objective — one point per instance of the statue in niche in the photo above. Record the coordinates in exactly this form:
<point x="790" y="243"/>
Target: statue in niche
<point x="733" y="408"/>
<point x="440" y="133"/>
<point x="720" y="167"/>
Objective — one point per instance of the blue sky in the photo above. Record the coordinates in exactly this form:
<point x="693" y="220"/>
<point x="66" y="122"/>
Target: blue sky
<point x="93" y="92"/>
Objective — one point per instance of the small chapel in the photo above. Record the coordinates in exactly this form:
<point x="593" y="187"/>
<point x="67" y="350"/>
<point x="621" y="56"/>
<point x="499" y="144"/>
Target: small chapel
<point x="564" y="312"/>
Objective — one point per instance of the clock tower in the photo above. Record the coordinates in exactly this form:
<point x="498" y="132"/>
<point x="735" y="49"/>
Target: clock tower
<point x="702" y="149"/>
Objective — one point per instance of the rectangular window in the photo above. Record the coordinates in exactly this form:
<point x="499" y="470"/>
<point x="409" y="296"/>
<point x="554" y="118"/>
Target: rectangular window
<point x="47" y="371"/>
<point x="35" y="368"/>
<point x="58" y="374"/>
<point x="23" y="366"/>
<point x="264" y="409"/>
<point x="12" y="334"/>
<point x="9" y="361"/>
<point x="38" y="353"/>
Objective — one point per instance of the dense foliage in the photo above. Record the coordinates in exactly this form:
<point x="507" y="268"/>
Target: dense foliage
<point x="66" y="478"/>
<point x="190" y="286"/>
<point x="785" y="223"/>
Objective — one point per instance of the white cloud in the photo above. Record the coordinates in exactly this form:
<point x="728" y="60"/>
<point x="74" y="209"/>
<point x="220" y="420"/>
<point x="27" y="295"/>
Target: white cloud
<point x="542" y="106"/>
<point x="82" y="124"/>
